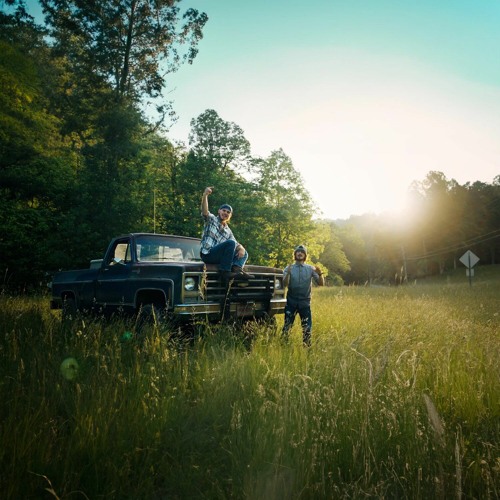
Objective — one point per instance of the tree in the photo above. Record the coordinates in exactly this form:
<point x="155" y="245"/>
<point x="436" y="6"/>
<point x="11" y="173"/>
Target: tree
<point x="129" y="44"/>
<point x="37" y="175"/>
<point x="334" y="257"/>
<point x="483" y="220"/>
<point x="436" y="210"/>
<point x="115" y="56"/>
<point x="283" y="214"/>
<point x="220" y="143"/>
<point x="218" y="154"/>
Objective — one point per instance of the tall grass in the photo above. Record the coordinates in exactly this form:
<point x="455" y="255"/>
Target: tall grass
<point x="398" y="397"/>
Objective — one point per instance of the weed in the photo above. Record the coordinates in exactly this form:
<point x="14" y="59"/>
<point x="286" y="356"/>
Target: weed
<point x="398" y="397"/>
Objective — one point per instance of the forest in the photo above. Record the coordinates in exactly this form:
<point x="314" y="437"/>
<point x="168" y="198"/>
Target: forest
<point x="85" y="155"/>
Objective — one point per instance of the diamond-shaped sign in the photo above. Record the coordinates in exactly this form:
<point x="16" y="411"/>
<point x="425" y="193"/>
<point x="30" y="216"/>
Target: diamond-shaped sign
<point x="469" y="259"/>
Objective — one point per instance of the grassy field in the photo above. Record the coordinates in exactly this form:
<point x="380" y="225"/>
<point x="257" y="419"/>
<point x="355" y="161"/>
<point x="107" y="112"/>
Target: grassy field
<point x="398" y="397"/>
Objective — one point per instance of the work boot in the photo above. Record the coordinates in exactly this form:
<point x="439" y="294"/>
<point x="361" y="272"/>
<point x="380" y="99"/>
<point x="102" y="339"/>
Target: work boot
<point x="227" y="276"/>
<point x="240" y="274"/>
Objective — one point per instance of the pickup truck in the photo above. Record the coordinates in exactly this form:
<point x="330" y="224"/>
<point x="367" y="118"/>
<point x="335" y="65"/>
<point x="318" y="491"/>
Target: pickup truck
<point x="161" y="275"/>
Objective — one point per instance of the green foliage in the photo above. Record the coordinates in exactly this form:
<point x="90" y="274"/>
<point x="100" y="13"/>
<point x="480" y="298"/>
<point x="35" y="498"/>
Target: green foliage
<point x="396" y="398"/>
<point x="219" y="143"/>
<point x="284" y="213"/>
<point x="82" y="160"/>
<point x="77" y="161"/>
<point x="333" y="256"/>
<point x="272" y="209"/>
<point x="26" y="130"/>
<point x="125" y="43"/>
<point x="442" y="221"/>
<point x="36" y="175"/>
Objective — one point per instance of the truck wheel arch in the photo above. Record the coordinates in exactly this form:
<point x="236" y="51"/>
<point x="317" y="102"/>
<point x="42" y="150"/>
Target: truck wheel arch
<point x="157" y="297"/>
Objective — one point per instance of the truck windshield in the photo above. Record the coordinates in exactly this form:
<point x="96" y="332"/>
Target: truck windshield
<point x="161" y="248"/>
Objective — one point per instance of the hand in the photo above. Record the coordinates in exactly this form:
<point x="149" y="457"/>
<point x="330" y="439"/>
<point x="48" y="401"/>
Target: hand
<point x="318" y="270"/>
<point x="208" y="190"/>
<point x="241" y="251"/>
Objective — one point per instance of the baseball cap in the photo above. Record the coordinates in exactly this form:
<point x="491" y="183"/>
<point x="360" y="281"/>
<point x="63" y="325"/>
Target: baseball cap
<point x="300" y="248"/>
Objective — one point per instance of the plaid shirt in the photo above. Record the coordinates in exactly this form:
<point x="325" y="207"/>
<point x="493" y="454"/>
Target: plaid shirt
<point x="214" y="233"/>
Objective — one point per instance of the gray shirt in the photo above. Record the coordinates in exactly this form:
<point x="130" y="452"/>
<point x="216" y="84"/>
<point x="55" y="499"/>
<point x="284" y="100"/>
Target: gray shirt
<point x="301" y="276"/>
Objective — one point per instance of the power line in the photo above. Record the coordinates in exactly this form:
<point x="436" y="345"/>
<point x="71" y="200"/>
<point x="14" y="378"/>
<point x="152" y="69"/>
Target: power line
<point x="473" y="241"/>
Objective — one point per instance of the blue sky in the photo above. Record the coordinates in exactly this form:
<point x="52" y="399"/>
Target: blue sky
<point x="364" y="96"/>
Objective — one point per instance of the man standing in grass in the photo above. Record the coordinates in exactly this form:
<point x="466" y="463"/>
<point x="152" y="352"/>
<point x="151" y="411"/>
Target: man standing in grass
<point x="298" y="278"/>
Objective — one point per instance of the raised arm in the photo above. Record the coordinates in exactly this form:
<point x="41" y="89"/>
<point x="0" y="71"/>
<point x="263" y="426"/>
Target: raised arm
<point x="321" y="280"/>
<point x="204" y="201"/>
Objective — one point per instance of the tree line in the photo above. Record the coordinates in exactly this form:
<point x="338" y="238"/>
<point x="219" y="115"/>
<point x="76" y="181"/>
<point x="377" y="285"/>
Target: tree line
<point x="85" y="156"/>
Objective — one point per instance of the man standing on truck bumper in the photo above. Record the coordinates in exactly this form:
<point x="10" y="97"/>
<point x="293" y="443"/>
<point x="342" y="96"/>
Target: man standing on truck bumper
<point x="218" y="244"/>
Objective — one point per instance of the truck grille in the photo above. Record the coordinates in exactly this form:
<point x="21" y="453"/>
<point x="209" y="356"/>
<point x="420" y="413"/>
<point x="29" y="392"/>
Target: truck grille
<point x="209" y="295"/>
<point x="259" y="288"/>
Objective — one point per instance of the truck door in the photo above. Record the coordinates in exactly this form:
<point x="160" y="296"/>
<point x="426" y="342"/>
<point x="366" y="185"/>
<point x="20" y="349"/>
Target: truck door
<point x="113" y="289"/>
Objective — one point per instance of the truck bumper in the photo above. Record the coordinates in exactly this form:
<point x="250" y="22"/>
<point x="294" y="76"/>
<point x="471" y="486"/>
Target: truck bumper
<point x="236" y="309"/>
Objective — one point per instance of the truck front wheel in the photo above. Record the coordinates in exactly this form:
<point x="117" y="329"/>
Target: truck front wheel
<point x="69" y="309"/>
<point x="149" y="315"/>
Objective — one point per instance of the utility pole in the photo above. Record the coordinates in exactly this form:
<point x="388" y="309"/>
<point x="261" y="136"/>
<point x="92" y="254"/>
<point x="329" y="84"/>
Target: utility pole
<point x="405" y="270"/>
<point x="154" y="210"/>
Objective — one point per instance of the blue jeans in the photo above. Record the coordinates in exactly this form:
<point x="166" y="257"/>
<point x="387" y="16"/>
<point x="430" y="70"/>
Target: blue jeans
<point x="224" y="254"/>
<point x="303" y="309"/>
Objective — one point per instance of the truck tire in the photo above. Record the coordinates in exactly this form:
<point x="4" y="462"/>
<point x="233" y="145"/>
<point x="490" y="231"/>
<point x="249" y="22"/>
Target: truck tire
<point x="69" y="310"/>
<point x="149" y="315"/>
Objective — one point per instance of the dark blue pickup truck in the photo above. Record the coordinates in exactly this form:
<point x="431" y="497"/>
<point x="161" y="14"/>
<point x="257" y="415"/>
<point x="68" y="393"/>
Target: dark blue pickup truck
<point x="161" y="274"/>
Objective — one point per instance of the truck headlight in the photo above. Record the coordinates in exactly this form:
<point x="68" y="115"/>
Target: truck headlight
<point x="277" y="284"/>
<point x="189" y="284"/>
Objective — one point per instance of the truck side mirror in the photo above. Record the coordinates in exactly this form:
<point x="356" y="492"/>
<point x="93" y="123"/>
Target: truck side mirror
<point x="116" y="260"/>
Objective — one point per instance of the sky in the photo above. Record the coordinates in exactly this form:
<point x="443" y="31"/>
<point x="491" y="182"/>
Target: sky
<point x="364" y="96"/>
